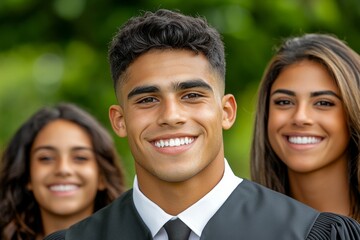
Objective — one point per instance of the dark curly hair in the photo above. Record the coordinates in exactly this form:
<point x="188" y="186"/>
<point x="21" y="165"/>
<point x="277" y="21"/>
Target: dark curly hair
<point x="19" y="212"/>
<point x="161" y="30"/>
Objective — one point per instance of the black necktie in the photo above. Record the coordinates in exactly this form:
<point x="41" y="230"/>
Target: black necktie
<point x="177" y="230"/>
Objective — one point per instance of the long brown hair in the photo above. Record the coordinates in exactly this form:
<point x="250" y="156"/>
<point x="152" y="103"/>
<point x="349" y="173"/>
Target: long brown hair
<point x="343" y="64"/>
<point x="19" y="212"/>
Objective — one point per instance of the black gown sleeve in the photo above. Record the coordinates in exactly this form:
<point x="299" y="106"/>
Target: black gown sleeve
<point x="334" y="227"/>
<point x="59" y="235"/>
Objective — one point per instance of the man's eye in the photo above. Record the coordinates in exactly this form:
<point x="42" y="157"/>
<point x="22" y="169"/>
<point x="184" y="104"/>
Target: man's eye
<point x="192" y="95"/>
<point x="147" y="100"/>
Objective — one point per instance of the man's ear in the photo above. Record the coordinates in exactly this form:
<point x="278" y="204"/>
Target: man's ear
<point x="229" y="111"/>
<point x="117" y="120"/>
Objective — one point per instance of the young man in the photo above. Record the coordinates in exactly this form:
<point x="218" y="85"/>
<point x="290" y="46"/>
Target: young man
<point x="169" y="77"/>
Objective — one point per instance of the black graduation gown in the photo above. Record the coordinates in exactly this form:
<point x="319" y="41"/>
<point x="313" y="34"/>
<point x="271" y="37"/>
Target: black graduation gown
<point x="251" y="212"/>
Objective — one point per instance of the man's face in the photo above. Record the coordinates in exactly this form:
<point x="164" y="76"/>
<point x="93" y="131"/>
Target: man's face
<point x="173" y="112"/>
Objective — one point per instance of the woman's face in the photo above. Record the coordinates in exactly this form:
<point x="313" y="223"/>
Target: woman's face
<point x="307" y="125"/>
<point x="64" y="175"/>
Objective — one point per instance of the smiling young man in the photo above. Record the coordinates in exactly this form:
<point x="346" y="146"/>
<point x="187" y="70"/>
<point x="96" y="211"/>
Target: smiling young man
<point x="169" y="77"/>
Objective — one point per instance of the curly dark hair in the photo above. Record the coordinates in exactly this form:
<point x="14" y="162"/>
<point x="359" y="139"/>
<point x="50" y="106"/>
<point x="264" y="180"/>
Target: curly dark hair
<point x="162" y="30"/>
<point x="19" y="212"/>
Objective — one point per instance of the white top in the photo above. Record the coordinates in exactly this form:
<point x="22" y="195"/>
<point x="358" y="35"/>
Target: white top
<point x="195" y="217"/>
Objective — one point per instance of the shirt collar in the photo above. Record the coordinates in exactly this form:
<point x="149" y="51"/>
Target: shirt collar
<point x="197" y="215"/>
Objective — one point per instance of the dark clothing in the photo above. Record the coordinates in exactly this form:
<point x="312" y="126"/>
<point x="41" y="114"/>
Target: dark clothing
<point x="252" y="212"/>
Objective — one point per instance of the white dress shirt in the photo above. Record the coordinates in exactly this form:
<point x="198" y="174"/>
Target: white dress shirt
<point x="195" y="217"/>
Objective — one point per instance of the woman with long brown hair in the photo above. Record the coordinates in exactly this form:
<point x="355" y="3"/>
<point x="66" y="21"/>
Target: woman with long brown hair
<point x="60" y="167"/>
<point x="306" y="138"/>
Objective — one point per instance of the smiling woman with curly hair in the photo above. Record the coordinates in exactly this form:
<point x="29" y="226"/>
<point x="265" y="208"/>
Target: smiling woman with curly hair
<point x="60" y="167"/>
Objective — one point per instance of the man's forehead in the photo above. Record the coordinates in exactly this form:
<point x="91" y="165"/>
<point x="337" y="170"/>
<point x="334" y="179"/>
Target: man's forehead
<point x="168" y="69"/>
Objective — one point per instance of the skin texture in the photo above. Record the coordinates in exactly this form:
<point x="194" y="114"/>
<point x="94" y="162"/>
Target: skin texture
<point x="173" y="94"/>
<point x="308" y="130"/>
<point x="62" y="154"/>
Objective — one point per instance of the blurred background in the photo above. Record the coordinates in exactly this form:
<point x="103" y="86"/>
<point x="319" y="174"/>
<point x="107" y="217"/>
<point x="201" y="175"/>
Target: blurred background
<point x="56" y="50"/>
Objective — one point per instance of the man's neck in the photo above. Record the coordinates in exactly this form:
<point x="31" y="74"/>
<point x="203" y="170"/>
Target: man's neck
<point x="175" y="197"/>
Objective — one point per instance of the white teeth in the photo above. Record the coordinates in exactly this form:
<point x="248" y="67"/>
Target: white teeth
<point x="174" y="142"/>
<point x="304" y="140"/>
<point x="63" y="188"/>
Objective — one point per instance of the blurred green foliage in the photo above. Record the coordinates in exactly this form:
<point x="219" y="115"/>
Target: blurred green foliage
<point x="56" y="50"/>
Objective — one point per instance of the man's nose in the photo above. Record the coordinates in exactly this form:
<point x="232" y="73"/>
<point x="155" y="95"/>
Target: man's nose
<point x="172" y="112"/>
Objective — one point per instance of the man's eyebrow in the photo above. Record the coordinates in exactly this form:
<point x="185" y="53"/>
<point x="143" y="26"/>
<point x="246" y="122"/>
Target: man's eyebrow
<point x="142" y="90"/>
<point x="196" y="83"/>
<point x="284" y="91"/>
<point x="326" y="92"/>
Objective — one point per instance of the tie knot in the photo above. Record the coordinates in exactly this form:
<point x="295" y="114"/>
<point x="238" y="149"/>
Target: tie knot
<point x="177" y="230"/>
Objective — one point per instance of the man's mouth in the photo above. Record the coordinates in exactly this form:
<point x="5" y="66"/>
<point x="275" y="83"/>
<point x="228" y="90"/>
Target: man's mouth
<point x="174" y="142"/>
